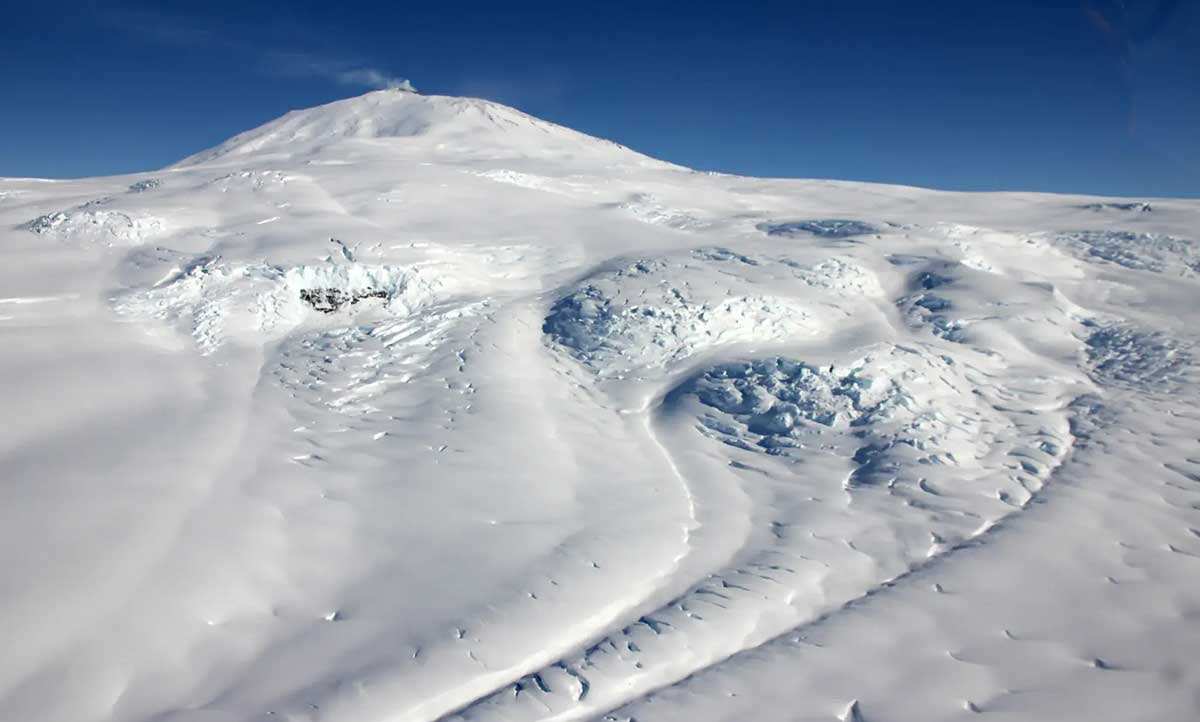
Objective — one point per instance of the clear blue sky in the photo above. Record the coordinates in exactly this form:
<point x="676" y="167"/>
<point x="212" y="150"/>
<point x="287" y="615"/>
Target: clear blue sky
<point x="1093" y="96"/>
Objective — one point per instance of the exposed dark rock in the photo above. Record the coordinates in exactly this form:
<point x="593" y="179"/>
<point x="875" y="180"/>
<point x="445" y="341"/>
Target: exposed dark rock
<point x="328" y="300"/>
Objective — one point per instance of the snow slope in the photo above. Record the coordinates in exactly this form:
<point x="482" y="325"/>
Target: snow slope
<point x="418" y="408"/>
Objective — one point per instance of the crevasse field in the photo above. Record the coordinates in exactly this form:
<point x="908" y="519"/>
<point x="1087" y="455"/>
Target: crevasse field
<point x="412" y="408"/>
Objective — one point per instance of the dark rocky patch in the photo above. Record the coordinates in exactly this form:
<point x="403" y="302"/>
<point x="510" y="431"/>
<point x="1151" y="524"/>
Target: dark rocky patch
<point x="142" y="186"/>
<point x="329" y="300"/>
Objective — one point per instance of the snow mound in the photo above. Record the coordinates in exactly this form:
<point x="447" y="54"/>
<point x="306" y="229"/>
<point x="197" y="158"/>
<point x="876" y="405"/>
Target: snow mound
<point x="905" y="407"/>
<point x="925" y="308"/>
<point x="1128" y="357"/>
<point x="615" y="338"/>
<point x="723" y="254"/>
<point x="842" y="275"/>
<point x="822" y="227"/>
<point x="641" y="316"/>
<point x="653" y="312"/>
<point x="514" y="178"/>
<point x="219" y="301"/>
<point x="773" y="395"/>
<point x="249" y="180"/>
<point x="647" y="208"/>
<point x="1153" y="252"/>
<point x="838" y="274"/>
<point x="347" y="369"/>
<point x="109" y="227"/>
<point x="1019" y="256"/>
<point x="568" y="185"/>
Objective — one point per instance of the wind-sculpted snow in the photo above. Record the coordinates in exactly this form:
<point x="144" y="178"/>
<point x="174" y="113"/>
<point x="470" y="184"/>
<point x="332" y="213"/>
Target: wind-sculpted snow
<point x="1003" y="253"/>
<point x="647" y="208"/>
<point x="770" y="397"/>
<point x="1123" y="355"/>
<point x="927" y="305"/>
<point x="933" y="310"/>
<point x="904" y="409"/>
<point x="776" y="403"/>
<point x="823" y="228"/>
<point x="616" y="338"/>
<point x="519" y="179"/>
<point x="723" y="254"/>
<point x="867" y="471"/>
<point x="651" y="313"/>
<point x="98" y="225"/>
<point x="219" y="301"/>
<point x="978" y="625"/>
<point x="412" y="408"/>
<point x="250" y="180"/>
<point x="347" y="368"/>
<point x="1158" y="253"/>
<point x="841" y="275"/>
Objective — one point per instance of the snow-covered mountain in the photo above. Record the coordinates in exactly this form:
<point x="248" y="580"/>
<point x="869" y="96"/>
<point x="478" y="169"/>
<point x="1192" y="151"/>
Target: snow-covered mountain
<point x="437" y="126"/>
<point x="414" y="408"/>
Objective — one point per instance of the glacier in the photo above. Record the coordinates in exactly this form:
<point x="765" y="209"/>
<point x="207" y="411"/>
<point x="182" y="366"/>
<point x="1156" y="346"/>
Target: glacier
<point x="412" y="408"/>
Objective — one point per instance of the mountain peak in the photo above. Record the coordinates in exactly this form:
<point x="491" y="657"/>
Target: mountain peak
<point x="402" y="120"/>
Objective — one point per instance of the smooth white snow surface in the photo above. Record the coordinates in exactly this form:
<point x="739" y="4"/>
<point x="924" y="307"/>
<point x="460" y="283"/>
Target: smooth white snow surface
<point x="418" y="408"/>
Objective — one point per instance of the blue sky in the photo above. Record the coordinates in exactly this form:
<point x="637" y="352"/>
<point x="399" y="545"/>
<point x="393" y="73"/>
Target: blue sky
<point x="1094" y="96"/>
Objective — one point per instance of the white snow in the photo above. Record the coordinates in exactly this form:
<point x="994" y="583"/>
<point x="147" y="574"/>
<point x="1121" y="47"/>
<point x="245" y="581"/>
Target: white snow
<point x="97" y="225"/>
<point x="256" y="302"/>
<point x="414" y="408"/>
